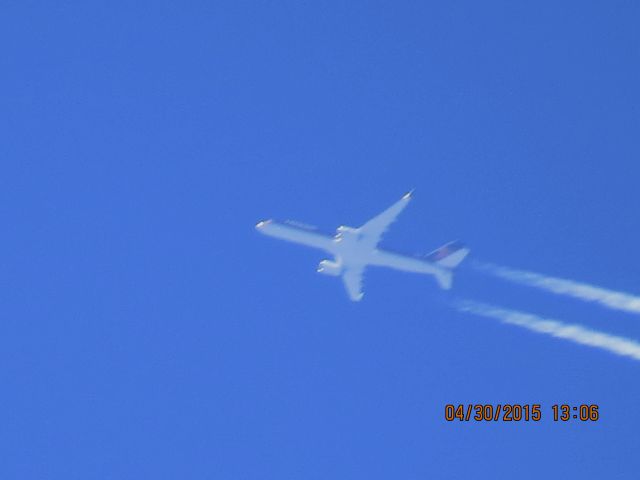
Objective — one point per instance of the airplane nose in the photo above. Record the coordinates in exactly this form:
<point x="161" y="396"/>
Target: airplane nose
<point x="262" y="224"/>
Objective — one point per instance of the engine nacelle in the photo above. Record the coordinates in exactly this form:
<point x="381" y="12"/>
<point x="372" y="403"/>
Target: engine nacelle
<point x="346" y="232"/>
<point x="327" y="267"/>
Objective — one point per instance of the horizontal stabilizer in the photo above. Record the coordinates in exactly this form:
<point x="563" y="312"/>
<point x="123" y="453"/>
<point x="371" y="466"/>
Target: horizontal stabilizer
<point x="445" y="279"/>
<point x="449" y="255"/>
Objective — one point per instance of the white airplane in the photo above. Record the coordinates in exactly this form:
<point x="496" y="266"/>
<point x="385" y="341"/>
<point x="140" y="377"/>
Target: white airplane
<point x="353" y="249"/>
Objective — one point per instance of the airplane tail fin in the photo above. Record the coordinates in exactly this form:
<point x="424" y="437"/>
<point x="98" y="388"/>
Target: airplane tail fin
<point x="449" y="255"/>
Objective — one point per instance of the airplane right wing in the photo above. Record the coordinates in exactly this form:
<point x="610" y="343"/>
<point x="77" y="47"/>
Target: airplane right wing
<point x="352" y="279"/>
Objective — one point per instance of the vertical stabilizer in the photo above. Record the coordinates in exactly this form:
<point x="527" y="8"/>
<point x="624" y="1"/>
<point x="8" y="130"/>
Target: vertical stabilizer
<point x="449" y="255"/>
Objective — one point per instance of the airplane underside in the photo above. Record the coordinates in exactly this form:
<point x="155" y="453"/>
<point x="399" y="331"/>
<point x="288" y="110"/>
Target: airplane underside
<point x="353" y="249"/>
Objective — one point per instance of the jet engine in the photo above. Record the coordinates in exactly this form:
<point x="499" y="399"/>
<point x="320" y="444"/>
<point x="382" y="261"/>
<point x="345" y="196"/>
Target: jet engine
<point x="327" y="267"/>
<point x="346" y="232"/>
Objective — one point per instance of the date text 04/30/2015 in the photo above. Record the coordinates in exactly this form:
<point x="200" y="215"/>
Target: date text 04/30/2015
<point x="516" y="412"/>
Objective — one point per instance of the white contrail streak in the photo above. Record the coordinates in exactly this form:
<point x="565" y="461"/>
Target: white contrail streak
<point x="590" y="293"/>
<point x="572" y="332"/>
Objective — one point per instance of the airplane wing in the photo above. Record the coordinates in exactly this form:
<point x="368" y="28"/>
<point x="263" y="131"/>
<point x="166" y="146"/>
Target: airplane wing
<point x="352" y="279"/>
<point x="296" y="235"/>
<point x="373" y="230"/>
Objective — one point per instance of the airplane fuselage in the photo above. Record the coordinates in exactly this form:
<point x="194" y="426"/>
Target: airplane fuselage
<point x="352" y="250"/>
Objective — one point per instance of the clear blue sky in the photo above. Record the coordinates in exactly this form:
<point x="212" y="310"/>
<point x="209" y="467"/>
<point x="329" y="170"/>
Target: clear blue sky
<point x="146" y="329"/>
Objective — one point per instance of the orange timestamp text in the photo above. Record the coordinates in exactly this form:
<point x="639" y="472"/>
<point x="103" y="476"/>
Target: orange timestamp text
<point x="516" y="412"/>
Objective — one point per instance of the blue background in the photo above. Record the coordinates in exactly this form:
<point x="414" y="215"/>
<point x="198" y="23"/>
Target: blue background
<point x="148" y="331"/>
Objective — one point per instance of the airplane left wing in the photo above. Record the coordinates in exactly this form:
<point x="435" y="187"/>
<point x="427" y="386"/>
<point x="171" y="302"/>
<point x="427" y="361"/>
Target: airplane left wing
<point x="373" y="230"/>
<point x="352" y="279"/>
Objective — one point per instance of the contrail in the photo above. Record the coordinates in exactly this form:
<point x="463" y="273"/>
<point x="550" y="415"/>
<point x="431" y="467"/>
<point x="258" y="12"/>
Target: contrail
<point x="590" y="293"/>
<point x="572" y="332"/>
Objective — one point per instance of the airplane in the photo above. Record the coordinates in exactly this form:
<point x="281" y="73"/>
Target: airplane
<point x="353" y="249"/>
